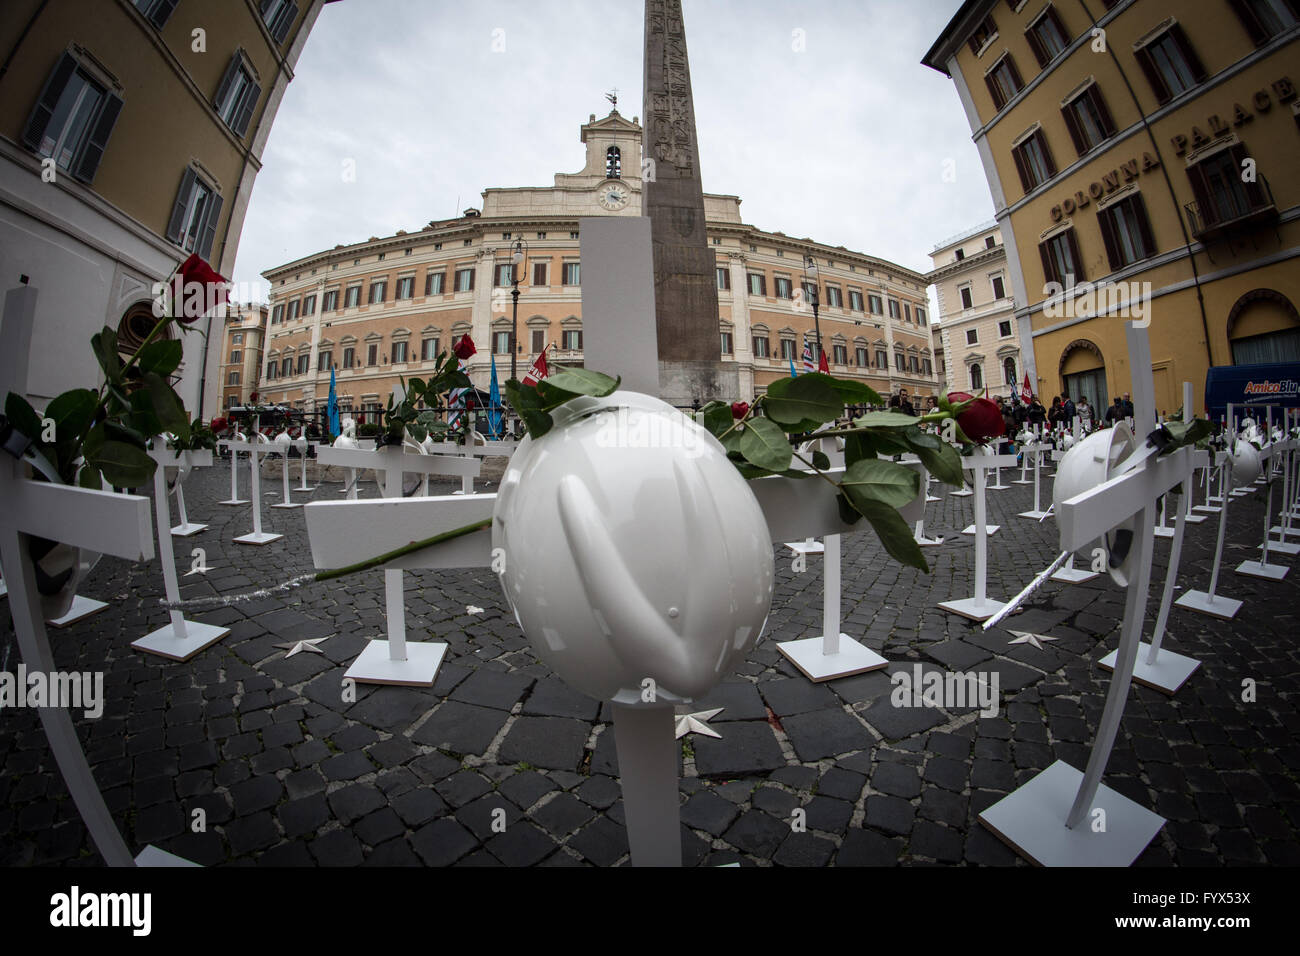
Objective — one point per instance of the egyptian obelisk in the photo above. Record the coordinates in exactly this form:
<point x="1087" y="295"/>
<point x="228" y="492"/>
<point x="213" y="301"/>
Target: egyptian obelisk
<point x="686" y="292"/>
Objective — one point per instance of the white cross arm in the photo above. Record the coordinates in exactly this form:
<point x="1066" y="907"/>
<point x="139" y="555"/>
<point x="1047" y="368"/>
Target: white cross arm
<point x="492" y="449"/>
<point x="169" y="458"/>
<point x="410" y="463"/>
<point x="102" y="521"/>
<point x="347" y="532"/>
<point x="971" y="462"/>
<point x="1085" y="516"/>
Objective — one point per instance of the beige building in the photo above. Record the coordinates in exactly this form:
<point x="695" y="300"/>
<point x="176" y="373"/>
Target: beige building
<point x="384" y="308"/>
<point x="1140" y="155"/>
<point x="131" y="132"/>
<point x="977" y="323"/>
<point x="240" y="354"/>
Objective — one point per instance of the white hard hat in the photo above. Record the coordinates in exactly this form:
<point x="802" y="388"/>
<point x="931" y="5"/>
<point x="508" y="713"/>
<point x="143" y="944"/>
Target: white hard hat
<point x="1092" y="461"/>
<point x="633" y="550"/>
<point x="1245" y="463"/>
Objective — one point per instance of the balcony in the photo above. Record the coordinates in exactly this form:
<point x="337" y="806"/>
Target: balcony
<point x="1237" y="213"/>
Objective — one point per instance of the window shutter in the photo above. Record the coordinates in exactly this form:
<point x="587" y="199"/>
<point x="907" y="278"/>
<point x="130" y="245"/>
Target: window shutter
<point x="1036" y="45"/>
<point x="1077" y="259"/>
<point x="210" y="228"/>
<point x="1107" y="124"/>
<point x="161" y="12"/>
<point x="1144" y="226"/>
<point x="1107" y="222"/>
<point x="1153" y="76"/>
<point x="1047" y="152"/>
<point x="176" y="223"/>
<point x="995" y="91"/>
<point x="49" y="98"/>
<point x="226" y="80"/>
<point x="1049" y="267"/>
<point x="472" y="270"/>
<point x="246" y="108"/>
<point x="93" y="151"/>
<point x="281" y="29"/>
<point x="1200" y="189"/>
<point x="1072" y="124"/>
<point x="1022" y="167"/>
<point x="1016" y="81"/>
<point x="1254" y="191"/>
<point x="1251" y="22"/>
<point x="1193" y="61"/>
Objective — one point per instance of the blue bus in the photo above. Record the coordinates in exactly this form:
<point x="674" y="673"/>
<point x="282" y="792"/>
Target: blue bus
<point x="1247" y="385"/>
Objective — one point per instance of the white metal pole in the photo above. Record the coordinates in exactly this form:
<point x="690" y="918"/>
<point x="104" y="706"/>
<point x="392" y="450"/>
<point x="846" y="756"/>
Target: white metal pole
<point x="166" y="556"/>
<point x="981" y="540"/>
<point x="831" y="597"/>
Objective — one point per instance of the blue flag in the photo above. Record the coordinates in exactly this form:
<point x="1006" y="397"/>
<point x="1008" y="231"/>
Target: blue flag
<point x="494" y="403"/>
<point x="793" y="373"/>
<point x="332" y="408"/>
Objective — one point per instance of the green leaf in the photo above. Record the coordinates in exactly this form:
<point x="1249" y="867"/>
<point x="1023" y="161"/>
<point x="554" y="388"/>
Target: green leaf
<point x="885" y="420"/>
<point x="820" y="461"/>
<point x="167" y="406"/>
<point x="123" y="465"/>
<point x="944" y="463"/>
<point x="894" y="534"/>
<point x="72" y="413"/>
<point x="855" y="393"/>
<point x="416" y="387"/>
<point x="1186" y="433"/>
<point x="23" y="417"/>
<point x="875" y="479"/>
<point x="801" y="404"/>
<point x="104" y="343"/>
<point x="848" y="514"/>
<point x="717" y="418"/>
<point x="582" y="381"/>
<point x="916" y="438"/>
<point x="528" y="405"/>
<point x="764" y="445"/>
<point x="89" y="477"/>
<point x="161" y="358"/>
<point x="142" y="418"/>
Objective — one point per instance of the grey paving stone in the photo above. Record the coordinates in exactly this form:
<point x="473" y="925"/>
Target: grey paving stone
<point x="259" y="793"/>
<point x="828" y="814"/>
<point x="554" y="698"/>
<point x="553" y="742"/>
<point x="460" y="727"/>
<point x="337" y="848"/>
<point x="601" y="842"/>
<point x="895" y="723"/>
<point x="739" y="700"/>
<point x="304" y="815"/>
<point x="796" y="696"/>
<point x="380" y="826"/>
<point x="757" y="833"/>
<point x="889" y="814"/>
<point x="526" y="787"/>
<point x="442" y="842"/>
<point x="521" y="845"/>
<point x="748" y="747"/>
<point x="709" y="812"/>
<point x="896" y="779"/>
<point x="487" y="688"/>
<point x="350" y="804"/>
<point x="844" y="784"/>
<point x="562" y="815"/>
<point x="804" y="849"/>
<point x="825" y="733"/>
<point x="600" y="791"/>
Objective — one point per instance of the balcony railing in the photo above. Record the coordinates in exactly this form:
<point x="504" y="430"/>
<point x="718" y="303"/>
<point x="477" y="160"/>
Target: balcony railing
<point x="1211" y="223"/>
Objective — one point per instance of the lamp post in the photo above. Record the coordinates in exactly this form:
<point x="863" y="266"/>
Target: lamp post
<point x="519" y="255"/>
<point x="810" y="272"/>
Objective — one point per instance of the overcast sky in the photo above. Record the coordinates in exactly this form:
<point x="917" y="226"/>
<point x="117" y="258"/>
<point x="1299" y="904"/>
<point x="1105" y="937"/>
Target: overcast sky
<point x="843" y="141"/>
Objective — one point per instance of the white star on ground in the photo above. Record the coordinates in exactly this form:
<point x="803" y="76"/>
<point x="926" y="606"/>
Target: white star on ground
<point x="697" y="723"/>
<point x="1024" y="637"/>
<point x="201" y="569"/>
<point x="471" y="609"/>
<point x="293" y="647"/>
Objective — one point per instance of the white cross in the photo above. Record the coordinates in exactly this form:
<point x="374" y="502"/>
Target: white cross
<point x="980" y="606"/>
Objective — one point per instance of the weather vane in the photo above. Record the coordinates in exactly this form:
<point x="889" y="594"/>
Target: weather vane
<point x="613" y="98"/>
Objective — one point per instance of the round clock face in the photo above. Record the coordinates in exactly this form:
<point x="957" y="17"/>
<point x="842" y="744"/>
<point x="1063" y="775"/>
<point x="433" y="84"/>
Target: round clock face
<point x="613" y="197"/>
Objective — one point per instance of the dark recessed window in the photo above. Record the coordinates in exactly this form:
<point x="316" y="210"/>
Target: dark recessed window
<point x="1003" y="81"/>
<point x="1088" y="120"/>
<point x="1047" y="37"/>
<point x="1170" y="64"/>
<point x="1061" y="260"/>
<point x="1126" y="231"/>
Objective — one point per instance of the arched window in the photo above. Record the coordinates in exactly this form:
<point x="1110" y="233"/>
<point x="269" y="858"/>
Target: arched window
<point x="976" y="377"/>
<point x="1009" y="371"/>
<point x="613" y="163"/>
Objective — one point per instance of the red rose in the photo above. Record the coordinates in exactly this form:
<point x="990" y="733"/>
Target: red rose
<point x="981" y="420"/>
<point x="253" y="398"/>
<point x="739" y="409"/>
<point x="194" y="269"/>
<point x="218" y="424"/>
<point x="469" y="399"/>
<point x="464" y="348"/>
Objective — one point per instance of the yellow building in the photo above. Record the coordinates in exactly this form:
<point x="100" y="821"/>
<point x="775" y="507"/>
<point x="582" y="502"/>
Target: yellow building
<point x="130" y="135"/>
<point x="1140" y="156"/>
<point x="240" y="354"/>
<point x="385" y="307"/>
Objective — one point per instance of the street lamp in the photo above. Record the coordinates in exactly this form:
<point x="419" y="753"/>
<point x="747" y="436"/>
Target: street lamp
<point x="520" y="255"/>
<point x="810" y="272"/>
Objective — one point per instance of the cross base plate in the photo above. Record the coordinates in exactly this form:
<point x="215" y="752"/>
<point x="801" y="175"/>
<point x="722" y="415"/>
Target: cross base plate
<point x="165" y="643"/>
<point x="1258" y="569"/>
<point x="852" y="658"/>
<point x="964" y="493"/>
<point x="1031" y="821"/>
<point x="258" y="537"/>
<point x="802" y="547"/>
<point x="997" y="487"/>
<point x="1161" y="531"/>
<point x="1282" y="547"/>
<point x="1034" y="515"/>
<point x="925" y="542"/>
<point x="1073" y="575"/>
<point x="234" y="501"/>
<point x="988" y="529"/>
<point x="374" y="666"/>
<point x="152" y="856"/>
<point x="187" y="529"/>
<point x="1194" y="519"/>
<point x="305" y="488"/>
<point x="969" y="607"/>
<point x="1167" y="674"/>
<point x="1023" y="481"/>
<point x="1217" y="606"/>
<point x="288" y="504"/>
<point x="82" y="608"/>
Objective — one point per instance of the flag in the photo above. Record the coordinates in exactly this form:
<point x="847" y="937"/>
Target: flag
<point x="821" y="363"/>
<point x="494" y="403"/>
<point x="332" y="408"/>
<point x="808" y="365"/>
<point x="1026" y="393"/>
<point x="793" y="373"/>
<point x="455" y="402"/>
<point x="538" y="371"/>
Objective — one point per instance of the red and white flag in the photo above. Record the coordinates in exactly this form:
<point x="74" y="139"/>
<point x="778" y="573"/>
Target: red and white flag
<point x="822" y="366"/>
<point x="538" y="371"/>
<point x="808" y="365"/>
<point x="1026" y="393"/>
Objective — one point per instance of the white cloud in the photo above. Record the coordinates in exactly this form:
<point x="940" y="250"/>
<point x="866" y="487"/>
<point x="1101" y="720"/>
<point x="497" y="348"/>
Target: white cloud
<point x="843" y="142"/>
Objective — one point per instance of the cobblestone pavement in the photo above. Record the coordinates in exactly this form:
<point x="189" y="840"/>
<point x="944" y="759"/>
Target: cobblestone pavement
<point x="287" y="773"/>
